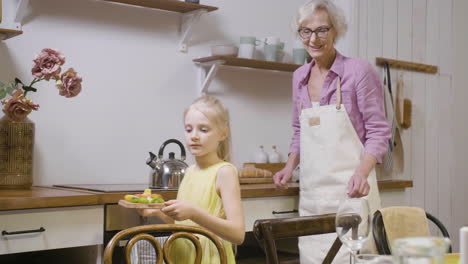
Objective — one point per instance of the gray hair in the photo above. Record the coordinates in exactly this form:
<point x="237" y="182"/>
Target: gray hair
<point x="336" y="15"/>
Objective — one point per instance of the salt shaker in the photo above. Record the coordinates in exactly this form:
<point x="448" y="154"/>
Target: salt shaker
<point x="274" y="157"/>
<point x="261" y="156"/>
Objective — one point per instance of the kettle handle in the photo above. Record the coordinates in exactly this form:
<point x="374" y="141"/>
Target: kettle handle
<point x="161" y="149"/>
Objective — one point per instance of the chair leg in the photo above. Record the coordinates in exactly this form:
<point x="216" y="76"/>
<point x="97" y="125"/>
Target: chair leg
<point x="333" y="251"/>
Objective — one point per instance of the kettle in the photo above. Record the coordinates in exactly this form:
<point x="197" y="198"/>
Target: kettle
<point x="166" y="174"/>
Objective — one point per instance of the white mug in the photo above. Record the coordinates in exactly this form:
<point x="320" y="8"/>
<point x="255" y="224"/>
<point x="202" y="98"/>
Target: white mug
<point x="272" y="41"/>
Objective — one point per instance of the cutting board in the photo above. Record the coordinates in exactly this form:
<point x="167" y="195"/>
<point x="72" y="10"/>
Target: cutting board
<point x="273" y="167"/>
<point x="127" y="204"/>
<point x="255" y="180"/>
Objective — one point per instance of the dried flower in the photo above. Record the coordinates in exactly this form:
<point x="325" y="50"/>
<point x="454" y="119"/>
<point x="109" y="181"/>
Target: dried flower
<point x="18" y="107"/>
<point x="47" y="65"/>
<point x="69" y="84"/>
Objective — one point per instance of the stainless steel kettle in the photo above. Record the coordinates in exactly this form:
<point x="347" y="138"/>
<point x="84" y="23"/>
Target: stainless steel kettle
<point x="167" y="174"/>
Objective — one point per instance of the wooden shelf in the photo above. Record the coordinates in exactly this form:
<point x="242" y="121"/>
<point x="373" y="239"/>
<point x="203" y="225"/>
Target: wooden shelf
<point x="407" y="65"/>
<point x="250" y="63"/>
<point x="394" y="184"/>
<point x="9" y="33"/>
<point x="168" y="5"/>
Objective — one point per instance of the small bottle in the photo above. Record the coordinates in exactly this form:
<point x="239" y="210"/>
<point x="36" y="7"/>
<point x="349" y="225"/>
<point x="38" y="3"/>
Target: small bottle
<point x="274" y="156"/>
<point x="261" y="156"/>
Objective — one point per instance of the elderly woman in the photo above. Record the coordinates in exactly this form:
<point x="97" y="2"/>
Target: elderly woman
<point x="340" y="129"/>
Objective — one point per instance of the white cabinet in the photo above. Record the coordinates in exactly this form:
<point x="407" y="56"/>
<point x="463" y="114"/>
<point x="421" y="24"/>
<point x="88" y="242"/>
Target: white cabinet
<point x="52" y="228"/>
<point x="268" y="207"/>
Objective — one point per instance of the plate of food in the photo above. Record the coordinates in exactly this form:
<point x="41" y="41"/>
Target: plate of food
<point x="145" y="200"/>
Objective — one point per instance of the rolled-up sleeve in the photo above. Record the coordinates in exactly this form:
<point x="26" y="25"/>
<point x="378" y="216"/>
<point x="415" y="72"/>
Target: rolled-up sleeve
<point x="296" y="126"/>
<point x="370" y="102"/>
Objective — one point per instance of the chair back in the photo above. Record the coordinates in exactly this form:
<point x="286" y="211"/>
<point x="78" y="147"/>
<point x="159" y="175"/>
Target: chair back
<point x="380" y="235"/>
<point x="266" y="231"/>
<point x="135" y="234"/>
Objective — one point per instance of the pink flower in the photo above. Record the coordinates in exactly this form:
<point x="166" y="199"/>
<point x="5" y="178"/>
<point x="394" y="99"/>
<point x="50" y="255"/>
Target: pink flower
<point x="47" y="64"/>
<point x="69" y="84"/>
<point x="17" y="108"/>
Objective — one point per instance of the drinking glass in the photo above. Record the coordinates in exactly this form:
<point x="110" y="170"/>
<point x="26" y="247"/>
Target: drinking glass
<point x="353" y="224"/>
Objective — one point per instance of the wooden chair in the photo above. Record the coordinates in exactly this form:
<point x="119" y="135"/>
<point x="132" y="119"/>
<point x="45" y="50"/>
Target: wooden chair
<point x="135" y="234"/>
<point x="380" y="236"/>
<point x="266" y="231"/>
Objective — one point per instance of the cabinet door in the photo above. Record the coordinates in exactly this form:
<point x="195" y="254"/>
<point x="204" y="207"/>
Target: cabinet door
<point x="268" y="207"/>
<point x="50" y="228"/>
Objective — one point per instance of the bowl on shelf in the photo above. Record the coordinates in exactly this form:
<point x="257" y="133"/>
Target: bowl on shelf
<point x="224" y="50"/>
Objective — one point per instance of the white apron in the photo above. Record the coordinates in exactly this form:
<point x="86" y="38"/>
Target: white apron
<point x="330" y="153"/>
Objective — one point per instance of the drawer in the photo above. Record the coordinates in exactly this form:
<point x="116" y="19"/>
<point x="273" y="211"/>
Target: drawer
<point x="263" y="208"/>
<point x="62" y="227"/>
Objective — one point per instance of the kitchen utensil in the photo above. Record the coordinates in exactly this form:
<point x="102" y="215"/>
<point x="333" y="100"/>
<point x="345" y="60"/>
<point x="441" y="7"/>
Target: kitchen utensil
<point x="389" y="106"/>
<point x="224" y="50"/>
<point x="167" y="173"/>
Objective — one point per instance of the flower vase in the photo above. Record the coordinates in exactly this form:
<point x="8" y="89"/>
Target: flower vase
<point x="16" y="153"/>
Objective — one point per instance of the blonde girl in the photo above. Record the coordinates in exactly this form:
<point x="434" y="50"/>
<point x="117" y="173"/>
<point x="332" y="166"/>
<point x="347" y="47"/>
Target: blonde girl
<point x="209" y="195"/>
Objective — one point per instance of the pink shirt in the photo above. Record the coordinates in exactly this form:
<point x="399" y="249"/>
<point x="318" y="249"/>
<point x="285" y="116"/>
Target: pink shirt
<point x="362" y="96"/>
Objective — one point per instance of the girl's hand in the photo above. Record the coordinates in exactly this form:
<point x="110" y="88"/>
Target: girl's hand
<point x="149" y="212"/>
<point x="282" y="177"/>
<point x="179" y="210"/>
<point x="358" y="186"/>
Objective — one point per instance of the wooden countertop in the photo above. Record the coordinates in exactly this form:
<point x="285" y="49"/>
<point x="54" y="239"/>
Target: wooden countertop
<point x="46" y="196"/>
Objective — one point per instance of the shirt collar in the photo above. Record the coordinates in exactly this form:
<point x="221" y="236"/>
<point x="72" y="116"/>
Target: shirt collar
<point x="337" y="68"/>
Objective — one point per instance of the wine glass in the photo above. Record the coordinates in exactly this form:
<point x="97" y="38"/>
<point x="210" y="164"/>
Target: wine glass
<point x="353" y="224"/>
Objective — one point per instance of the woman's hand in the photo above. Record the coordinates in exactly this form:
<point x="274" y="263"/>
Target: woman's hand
<point x="282" y="177"/>
<point x="358" y="186"/>
<point x="178" y="210"/>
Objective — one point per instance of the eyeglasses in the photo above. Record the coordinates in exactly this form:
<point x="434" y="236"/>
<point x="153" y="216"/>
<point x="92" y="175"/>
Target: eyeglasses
<point x="306" y="33"/>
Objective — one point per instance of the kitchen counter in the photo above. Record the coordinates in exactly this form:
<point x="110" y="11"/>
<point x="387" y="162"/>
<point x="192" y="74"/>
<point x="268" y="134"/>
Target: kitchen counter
<point x="47" y="197"/>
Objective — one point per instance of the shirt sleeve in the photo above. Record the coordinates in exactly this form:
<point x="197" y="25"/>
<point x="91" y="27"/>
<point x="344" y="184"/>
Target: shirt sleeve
<point x="371" y="106"/>
<point x="296" y="125"/>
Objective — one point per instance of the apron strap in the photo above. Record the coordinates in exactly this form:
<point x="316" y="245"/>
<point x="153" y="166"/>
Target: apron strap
<point x="338" y="93"/>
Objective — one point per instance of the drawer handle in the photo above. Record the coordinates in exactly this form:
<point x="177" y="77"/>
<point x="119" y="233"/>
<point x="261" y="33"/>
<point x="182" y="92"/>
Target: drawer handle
<point x="5" y="233"/>
<point x="285" y="212"/>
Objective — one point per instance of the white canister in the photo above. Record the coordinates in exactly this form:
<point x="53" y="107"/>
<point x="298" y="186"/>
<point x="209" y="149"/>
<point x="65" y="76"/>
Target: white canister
<point x="274" y="156"/>
<point x="261" y="156"/>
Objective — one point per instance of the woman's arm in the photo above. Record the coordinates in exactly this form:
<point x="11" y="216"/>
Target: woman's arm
<point x="232" y="228"/>
<point x="370" y="104"/>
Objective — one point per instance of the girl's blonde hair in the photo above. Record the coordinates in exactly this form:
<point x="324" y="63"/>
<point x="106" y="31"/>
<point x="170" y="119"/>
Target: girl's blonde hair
<point x="215" y="111"/>
<point x="336" y="15"/>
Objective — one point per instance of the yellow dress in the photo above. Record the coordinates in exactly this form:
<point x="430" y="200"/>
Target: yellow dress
<point x="199" y="188"/>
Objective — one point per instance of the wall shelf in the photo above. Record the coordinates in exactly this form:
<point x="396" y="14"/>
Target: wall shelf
<point x="9" y="33"/>
<point x="407" y="65"/>
<point x="209" y="66"/>
<point x="191" y="13"/>
<point x="11" y="24"/>
<point x="168" y="5"/>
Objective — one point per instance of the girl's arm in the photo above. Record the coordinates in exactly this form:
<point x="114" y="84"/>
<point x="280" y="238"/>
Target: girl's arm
<point x="232" y="228"/>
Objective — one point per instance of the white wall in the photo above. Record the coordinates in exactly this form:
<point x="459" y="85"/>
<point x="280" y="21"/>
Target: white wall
<point x="459" y="195"/>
